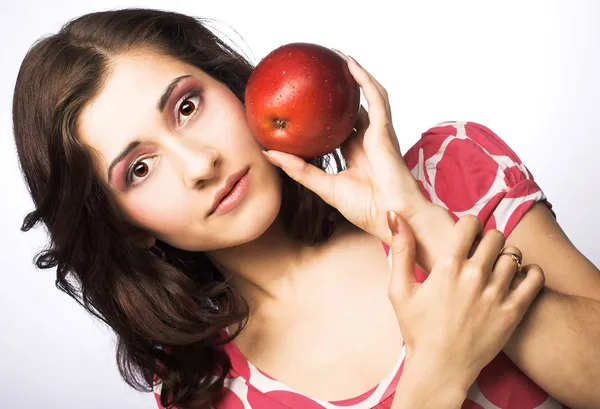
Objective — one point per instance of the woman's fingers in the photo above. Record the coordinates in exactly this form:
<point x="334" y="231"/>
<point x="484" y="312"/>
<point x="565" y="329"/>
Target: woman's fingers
<point x="388" y="110"/>
<point x="403" y="279"/>
<point x="380" y="88"/>
<point x="308" y="175"/>
<point x="384" y="94"/>
<point x="465" y="232"/>
<point x="505" y="269"/>
<point x="527" y="287"/>
<point x="376" y="101"/>
<point x="488" y="249"/>
<point x="352" y="147"/>
<point x="362" y="120"/>
<point x="380" y="112"/>
<point x="517" y="286"/>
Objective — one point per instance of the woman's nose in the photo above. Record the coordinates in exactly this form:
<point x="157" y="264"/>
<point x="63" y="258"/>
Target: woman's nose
<point x="199" y="166"/>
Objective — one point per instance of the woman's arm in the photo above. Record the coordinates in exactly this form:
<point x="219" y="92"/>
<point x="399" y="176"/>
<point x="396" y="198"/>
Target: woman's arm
<point x="476" y="311"/>
<point x="465" y="168"/>
<point x="558" y="343"/>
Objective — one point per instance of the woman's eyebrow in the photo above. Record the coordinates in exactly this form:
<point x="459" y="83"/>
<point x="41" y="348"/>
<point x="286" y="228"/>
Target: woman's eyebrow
<point x="160" y="105"/>
<point x="130" y="147"/>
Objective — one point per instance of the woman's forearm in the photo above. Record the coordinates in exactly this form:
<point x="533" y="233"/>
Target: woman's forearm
<point x="557" y="346"/>
<point x="554" y="344"/>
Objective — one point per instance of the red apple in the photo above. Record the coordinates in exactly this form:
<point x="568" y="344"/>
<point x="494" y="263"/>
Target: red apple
<point x="302" y="99"/>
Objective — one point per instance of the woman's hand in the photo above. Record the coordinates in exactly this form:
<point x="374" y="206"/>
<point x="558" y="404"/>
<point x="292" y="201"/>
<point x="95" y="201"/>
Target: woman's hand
<point x="461" y="317"/>
<point x="376" y="178"/>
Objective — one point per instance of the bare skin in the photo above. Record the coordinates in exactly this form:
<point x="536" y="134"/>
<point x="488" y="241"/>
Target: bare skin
<point x="321" y="317"/>
<point x="337" y="290"/>
<point x="317" y="334"/>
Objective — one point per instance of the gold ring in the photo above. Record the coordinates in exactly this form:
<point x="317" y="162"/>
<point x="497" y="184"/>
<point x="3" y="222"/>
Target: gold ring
<point x="516" y="258"/>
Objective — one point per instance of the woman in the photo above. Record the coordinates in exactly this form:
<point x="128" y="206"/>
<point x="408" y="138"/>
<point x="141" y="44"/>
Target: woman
<point x="169" y="223"/>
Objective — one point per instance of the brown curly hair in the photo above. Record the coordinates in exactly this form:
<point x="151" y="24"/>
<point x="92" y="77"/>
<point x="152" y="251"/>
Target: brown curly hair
<point x="168" y="307"/>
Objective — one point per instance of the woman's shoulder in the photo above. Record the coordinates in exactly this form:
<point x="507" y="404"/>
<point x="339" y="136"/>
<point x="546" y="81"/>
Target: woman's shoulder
<point x="467" y="168"/>
<point x="463" y="144"/>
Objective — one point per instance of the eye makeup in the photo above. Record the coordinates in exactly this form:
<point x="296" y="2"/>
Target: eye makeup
<point x="183" y="90"/>
<point x="129" y="175"/>
<point x="186" y="101"/>
<point x="123" y="171"/>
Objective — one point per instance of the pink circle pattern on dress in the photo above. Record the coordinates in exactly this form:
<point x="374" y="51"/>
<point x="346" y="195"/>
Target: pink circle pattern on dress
<point x="467" y="169"/>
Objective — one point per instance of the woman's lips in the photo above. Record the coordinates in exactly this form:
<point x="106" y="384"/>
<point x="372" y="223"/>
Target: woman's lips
<point x="233" y="193"/>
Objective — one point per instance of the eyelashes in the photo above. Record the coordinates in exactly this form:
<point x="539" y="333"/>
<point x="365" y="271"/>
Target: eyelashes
<point x="139" y="166"/>
<point x="184" y="110"/>
<point x="187" y="106"/>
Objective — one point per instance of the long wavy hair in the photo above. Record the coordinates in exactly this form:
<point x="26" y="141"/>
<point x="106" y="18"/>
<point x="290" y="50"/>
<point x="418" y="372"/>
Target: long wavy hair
<point x="168" y="307"/>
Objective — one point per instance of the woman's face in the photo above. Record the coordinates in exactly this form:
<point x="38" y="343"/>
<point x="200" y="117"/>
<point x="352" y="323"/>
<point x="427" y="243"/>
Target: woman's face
<point x="169" y="136"/>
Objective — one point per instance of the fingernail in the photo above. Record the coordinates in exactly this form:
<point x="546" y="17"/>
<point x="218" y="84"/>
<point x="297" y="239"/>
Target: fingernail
<point x="392" y="219"/>
<point x="353" y="60"/>
<point x="271" y="158"/>
<point x="344" y="56"/>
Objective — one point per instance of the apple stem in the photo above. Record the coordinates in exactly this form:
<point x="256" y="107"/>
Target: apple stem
<point x="280" y="123"/>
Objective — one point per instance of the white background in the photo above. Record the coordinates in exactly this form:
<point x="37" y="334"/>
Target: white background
<point x="530" y="70"/>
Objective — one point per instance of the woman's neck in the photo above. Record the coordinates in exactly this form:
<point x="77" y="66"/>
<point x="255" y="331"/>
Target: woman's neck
<point x="269" y="267"/>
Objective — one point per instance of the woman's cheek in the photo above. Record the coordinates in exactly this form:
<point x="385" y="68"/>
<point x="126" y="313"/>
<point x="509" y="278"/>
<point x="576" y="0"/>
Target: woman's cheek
<point x="157" y="212"/>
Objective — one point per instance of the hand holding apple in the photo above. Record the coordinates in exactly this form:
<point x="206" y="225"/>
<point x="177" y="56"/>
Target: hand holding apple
<point x="376" y="178"/>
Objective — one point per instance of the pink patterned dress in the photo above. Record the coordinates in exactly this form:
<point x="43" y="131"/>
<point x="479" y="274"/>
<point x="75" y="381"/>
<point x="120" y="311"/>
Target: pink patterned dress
<point x="467" y="169"/>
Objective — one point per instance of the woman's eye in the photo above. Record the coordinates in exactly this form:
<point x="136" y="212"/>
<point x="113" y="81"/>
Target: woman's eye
<point x="188" y="107"/>
<point x="139" y="171"/>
